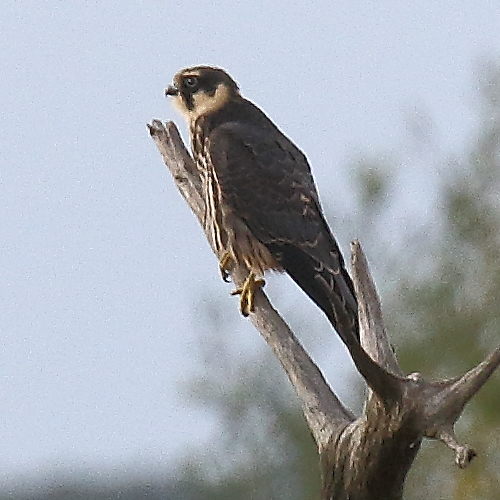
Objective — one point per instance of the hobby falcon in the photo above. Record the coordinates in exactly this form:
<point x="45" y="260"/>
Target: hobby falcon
<point x="262" y="208"/>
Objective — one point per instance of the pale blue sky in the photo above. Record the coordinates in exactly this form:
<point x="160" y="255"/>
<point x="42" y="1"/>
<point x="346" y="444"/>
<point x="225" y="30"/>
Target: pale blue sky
<point x="98" y="250"/>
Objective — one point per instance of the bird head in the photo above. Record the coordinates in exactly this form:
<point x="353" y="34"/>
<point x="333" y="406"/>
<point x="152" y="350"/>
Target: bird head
<point x="201" y="90"/>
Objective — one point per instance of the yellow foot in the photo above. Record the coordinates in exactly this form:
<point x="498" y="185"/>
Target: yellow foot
<point x="225" y="266"/>
<point x="247" y="293"/>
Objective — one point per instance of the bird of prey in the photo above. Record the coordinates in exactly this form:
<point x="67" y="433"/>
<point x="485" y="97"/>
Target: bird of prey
<point x="262" y="207"/>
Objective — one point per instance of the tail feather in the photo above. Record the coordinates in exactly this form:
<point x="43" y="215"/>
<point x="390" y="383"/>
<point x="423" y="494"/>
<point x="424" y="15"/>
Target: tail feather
<point x="333" y="293"/>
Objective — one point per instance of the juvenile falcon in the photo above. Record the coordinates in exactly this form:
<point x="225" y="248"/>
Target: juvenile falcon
<point x="262" y="207"/>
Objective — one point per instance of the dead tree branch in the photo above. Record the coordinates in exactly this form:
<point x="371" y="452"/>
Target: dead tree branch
<point x="366" y="458"/>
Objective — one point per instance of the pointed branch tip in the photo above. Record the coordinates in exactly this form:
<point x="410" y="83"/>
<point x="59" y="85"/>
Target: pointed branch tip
<point x="463" y="453"/>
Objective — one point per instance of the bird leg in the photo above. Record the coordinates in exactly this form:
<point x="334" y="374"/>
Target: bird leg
<point x="226" y="264"/>
<point x="247" y="293"/>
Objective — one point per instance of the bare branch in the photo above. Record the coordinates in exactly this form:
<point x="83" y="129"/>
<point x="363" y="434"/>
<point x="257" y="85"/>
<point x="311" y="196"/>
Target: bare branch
<point x="374" y="354"/>
<point x="463" y="454"/>
<point x="463" y="389"/>
<point x="178" y="160"/>
<point x="372" y="331"/>
<point x="444" y="402"/>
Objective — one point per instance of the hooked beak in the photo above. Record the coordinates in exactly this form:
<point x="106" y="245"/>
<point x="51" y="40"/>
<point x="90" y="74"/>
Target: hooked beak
<point x="171" y="90"/>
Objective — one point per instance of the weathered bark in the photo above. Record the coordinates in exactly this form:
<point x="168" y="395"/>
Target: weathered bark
<point x="364" y="458"/>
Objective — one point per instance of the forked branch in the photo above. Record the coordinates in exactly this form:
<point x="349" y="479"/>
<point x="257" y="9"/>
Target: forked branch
<point x="365" y="458"/>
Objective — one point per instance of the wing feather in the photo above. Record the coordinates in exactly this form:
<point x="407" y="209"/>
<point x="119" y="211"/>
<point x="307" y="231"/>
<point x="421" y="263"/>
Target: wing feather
<point x="267" y="182"/>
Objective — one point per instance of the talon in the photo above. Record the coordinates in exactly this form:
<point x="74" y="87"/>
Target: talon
<point x="225" y="265"/>
<point x="247" y="293"/>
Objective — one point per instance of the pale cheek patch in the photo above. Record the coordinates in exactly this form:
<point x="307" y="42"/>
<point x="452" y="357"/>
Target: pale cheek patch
<point x="205" y="103"/>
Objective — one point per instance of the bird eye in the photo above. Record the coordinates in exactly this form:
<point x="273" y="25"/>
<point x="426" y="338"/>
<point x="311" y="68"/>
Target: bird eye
<point x="191" y="81"/>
